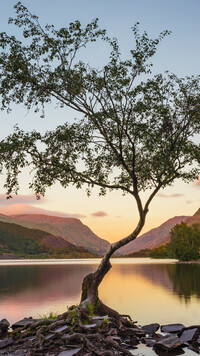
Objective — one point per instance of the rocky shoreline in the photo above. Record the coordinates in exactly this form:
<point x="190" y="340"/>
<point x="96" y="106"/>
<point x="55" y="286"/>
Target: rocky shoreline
<point x="74" y="333"/>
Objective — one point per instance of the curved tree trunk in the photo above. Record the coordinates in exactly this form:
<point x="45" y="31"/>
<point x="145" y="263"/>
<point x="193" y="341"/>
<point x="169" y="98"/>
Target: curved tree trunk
<point x="92" y="281"/>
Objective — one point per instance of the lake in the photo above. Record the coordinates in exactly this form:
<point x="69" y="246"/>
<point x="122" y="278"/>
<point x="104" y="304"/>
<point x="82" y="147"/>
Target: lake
<point x="148" y="290"/>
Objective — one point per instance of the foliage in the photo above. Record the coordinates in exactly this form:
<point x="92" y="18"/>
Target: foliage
<point x="52" y="315"/>
<point x="141" y="253"/>
<point x="122" y="119"/>
<point x="90" y="308"/>
<point x="74" y="316"/>
<point x="136" y="132"/>
<point x="185" y="242"/>
<point x="105" y="321"/>
<point x="159" y="252"/>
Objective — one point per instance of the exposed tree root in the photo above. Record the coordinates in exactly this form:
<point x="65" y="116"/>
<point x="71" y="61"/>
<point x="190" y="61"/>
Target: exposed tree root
<point x="95" y="335"/>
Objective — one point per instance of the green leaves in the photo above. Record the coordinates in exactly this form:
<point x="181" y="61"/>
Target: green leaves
<point x="134" y="135"/>
<point x="185" y="242"/>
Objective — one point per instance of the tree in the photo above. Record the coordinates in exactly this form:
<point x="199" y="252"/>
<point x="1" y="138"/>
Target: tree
<point x="185" y="242"/>
<point x="134" y="135"/>
<point x="159" y="252"/>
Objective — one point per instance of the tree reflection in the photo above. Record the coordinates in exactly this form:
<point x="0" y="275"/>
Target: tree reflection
<point x="185" y="280"/>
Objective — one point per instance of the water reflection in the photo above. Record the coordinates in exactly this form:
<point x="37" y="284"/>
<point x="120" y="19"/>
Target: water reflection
<point x="185" y="280"/>
<point x="33" y="290"/>
<point x="149" y="292"/>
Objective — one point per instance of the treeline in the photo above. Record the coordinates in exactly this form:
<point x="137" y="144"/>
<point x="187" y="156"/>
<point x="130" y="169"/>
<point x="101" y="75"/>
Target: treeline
<point x="184" y="245"/>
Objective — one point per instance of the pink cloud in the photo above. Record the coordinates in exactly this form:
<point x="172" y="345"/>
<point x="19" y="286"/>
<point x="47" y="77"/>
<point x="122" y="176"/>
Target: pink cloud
<point x="20" y="199"/>
<point x="17" y="209"/>
<point x="99" y="214"/>
<point x="175" y="195"/>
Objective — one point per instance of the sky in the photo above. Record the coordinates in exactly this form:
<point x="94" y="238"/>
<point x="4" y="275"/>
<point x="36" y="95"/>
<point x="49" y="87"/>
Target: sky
<point x="113" y="216"/>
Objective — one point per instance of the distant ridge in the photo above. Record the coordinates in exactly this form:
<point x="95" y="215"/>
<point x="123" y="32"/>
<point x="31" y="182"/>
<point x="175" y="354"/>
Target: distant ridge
<point x="19" y="241"/>
<point x="70" y="229"/>
<point x="153" y="238"/>
<point x="195" y="219"/>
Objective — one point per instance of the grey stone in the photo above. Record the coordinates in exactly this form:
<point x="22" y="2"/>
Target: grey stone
<point x="169" y="342"/>
<point x="189" y="335"/>
<point x="90" y="326"/>
<point x="172" y="328"/>
<point x="132" y="331"/>
<point x="23" y="322"/>
<point x="151" y="328"/>
<point x="50" y="336"/>
<point x="132" y="341"/>
<point x="74" y="352"/>
<point x="62" y="329"/>
<point x="6" y="342"/>
<point x="149" y="342"/>
<point x="94" y="318"/>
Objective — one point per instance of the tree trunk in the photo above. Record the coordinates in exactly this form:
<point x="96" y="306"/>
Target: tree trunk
<point x="92" y="281"/>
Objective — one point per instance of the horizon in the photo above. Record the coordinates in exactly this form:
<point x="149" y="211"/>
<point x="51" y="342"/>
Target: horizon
<point x="36" y="212"/>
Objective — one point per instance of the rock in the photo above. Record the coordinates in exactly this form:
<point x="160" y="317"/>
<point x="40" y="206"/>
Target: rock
<point x="99" y="319"/>
<point x="6" y="342"/>
<point x="134" y="340"/>
<point x="95" y="318"/>
<point x="23" y="322"/>
<point x="74" y="352"/>
<point x="4" y="325"/>
<point x="172" y="328"/>
<point x="62" y="329"/>
<point x="169" y="342"/>
<point x="90" y="326"/>
<point x="151" y="328"/>
<point x="189" y="335"/>
<point x="132" y="331"/>
<point x="149" y="342"/>
<point x="50" y="336"/>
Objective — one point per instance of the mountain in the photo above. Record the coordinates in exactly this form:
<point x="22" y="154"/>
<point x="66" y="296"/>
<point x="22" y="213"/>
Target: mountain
<point x="195" y="219"/>
<point x="153" y="238"/>
<point x="70" y="229"/>
<point x="23" y="242"/>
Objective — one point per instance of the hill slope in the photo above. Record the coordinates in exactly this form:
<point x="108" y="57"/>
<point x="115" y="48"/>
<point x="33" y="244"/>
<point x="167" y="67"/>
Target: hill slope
<point x="70" y="229"/>
<point x="152" y="238"/>
<point x="195" y="219"/>
<point x="19" y="240"/>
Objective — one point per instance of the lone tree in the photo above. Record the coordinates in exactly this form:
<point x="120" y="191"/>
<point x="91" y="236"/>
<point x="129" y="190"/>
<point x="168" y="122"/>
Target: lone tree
<point x="135" y="135"/>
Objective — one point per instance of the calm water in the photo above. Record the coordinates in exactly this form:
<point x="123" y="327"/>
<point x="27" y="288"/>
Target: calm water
<point x="148" y="290"/>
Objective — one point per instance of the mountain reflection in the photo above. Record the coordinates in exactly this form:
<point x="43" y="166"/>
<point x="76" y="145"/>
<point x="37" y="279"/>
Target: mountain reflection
<point x="181" y="279"/>
<point x="141" y="290"/>
<point x="59" y="279"/>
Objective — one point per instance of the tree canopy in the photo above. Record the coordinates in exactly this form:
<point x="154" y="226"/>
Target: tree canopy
<point x="137" y="130"/>
<point x="134" y="135"/>
<point x="185" y="242"/>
